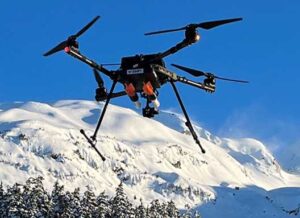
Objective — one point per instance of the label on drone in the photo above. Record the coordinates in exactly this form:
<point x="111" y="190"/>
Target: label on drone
<point x="135" y="71"/>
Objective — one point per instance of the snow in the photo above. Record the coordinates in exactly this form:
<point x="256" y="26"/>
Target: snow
<point x="155" y="158"/>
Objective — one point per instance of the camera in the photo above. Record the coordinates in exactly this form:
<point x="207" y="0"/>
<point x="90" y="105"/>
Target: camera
<point x="149" y="112"/>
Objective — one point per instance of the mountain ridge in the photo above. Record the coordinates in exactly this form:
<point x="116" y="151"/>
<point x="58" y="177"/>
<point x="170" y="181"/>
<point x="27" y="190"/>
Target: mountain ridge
<point x="156" y="159"/>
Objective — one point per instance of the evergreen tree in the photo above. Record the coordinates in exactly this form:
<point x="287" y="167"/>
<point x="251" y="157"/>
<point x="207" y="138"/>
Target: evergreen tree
<point x="88" y="203"/>
<point x="75" y="205"/>
<point x="140" y="211"/>
<point x="130" y="210"/>
<point x="147" y="212"/>
<point x="31" y="200"/>
<point x="14" y="202"/>
<point x="58" y="200"/>
<point x="120" y="203"/>
<point x="155" y="209"/>
<point x="163" y="210"/>
<point x="103" y="208"/>
<point x="68" y="201"/>
<point x="36" y="199"/>
<point x="172" y="210"/>
<point x="2" y="200"/>
<point x="42" y="198"/>
<point x="30" y="204"/>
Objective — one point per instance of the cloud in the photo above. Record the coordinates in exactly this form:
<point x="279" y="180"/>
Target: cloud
<point x="242" y="122"/>
<point x="278" y="132"/>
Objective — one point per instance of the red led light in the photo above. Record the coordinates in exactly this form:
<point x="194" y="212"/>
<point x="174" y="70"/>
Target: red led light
<point x="67" y="49"/>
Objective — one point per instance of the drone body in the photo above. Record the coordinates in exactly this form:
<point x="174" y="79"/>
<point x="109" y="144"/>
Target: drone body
<point x="143" y="75"/>
<point x="132" y="70"/>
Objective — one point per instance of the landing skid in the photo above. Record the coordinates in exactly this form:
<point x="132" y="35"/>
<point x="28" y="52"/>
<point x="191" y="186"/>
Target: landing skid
<point x="93" y="139"/>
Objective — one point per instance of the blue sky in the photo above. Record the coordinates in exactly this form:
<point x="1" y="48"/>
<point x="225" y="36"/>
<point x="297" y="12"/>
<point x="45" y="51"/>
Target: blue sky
<point x="263" y="48"/>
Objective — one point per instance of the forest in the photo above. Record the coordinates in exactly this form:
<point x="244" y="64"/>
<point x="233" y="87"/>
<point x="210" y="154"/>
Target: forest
<point x="32" y="200"/>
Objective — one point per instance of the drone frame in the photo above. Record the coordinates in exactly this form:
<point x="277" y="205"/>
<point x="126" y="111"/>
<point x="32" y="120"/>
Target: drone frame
<point x="70" y="46"/>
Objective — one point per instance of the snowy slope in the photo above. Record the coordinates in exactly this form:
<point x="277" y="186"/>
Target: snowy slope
<point x="156" y="159"/>
<point x="290" y="157"/>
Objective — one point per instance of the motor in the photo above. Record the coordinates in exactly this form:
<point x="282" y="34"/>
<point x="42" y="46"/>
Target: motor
<point x="101" y="94"/>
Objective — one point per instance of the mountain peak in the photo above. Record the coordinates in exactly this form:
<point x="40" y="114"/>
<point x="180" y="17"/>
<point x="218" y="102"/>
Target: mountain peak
<point x="154" y="158"/>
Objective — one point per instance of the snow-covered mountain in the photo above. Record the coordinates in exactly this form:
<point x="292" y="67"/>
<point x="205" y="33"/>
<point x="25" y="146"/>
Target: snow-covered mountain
<point x="155" y="159"/>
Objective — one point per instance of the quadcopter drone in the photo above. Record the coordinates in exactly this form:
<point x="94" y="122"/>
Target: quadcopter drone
<point x="142" y="75"/>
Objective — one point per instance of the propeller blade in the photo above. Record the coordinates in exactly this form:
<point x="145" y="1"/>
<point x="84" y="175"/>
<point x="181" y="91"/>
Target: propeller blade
<point x="86" y="27"/>
<point x="71" y="38"/>
<point x="205" y="25"/>
<point x="98" y="78"/>
<point x="57" y="48"/>
<point x="190" y="71"/>
<point x="164" y="31"/>
<point x="232" y="80"/>
<point x="211" y="24"/>
<point x="209" y="75"/>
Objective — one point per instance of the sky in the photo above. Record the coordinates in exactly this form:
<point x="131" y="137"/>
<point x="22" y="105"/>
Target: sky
<point x="263" y="48"/>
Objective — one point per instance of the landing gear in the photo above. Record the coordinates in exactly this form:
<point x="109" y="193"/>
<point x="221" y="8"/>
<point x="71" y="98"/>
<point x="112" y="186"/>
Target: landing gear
<point x="92" y="140"/>
<point x="188" y="122"/>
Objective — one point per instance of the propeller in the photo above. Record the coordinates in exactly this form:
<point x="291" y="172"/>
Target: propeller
<point x="208" y="75"/>
<point x="205" y="25"/>
<point x="71" y="39"/>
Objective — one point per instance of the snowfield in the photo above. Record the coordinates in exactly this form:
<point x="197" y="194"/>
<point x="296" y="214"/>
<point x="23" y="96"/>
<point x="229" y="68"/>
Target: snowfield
<point x="155" y="159"/>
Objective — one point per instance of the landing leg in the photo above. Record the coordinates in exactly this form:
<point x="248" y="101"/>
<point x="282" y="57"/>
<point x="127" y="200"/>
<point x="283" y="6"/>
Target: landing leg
<point x="92" y="140"/>
<point x="188" y="122"/>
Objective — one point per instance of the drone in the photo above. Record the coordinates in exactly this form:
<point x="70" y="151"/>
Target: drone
<point x="142" y="75"/>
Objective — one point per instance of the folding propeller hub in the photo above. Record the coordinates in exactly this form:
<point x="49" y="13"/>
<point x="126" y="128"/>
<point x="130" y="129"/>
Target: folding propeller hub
<point x="210" y="75"/>
<point x="191" y="34"/>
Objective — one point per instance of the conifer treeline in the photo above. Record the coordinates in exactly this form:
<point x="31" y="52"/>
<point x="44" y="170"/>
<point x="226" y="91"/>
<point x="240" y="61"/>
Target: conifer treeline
<point x="32" y="200"/>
